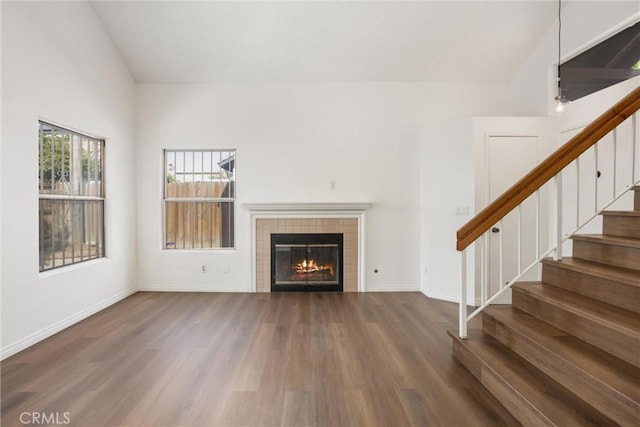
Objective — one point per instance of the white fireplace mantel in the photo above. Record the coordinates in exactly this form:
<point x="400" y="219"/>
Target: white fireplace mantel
<point x="310" y="210"/>
<point x="307" y="207"/>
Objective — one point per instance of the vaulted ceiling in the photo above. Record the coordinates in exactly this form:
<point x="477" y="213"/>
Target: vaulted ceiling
<point x="227" y="42"/>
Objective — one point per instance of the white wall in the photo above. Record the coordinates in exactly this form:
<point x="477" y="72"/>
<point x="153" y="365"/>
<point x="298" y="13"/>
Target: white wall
<point x="292" y="140"/>
<point x="447" y="182"/>
<point x="58" y="64"/>
<point x="584" y="23"/>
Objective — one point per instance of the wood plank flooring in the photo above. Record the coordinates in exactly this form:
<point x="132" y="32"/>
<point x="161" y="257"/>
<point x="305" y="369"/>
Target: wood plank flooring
<point x="290" y="359"/>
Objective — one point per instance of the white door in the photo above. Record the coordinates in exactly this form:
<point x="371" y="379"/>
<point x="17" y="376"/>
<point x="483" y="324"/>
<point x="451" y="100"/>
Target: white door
<point x="509" y="158"/>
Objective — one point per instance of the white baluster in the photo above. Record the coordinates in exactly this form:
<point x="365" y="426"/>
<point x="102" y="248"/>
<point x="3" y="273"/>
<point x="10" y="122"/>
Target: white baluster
<point x="485" y="273"/>
<point x="500" y="256"/>
<point x="558" y="181"/>
<point x="636" y="141"/>
<point x="577" y="191"/>
<point x="519" y="237"/>
<point x="462" y="314"/>
<point x="615" y="160"/>
<point x="595" y="190"/>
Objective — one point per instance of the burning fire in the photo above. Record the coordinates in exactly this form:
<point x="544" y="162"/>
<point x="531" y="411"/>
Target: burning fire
<point x="311" y="267"/>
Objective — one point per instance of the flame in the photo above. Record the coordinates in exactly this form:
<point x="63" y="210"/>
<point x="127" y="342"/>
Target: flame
<point x="311" y="266"/>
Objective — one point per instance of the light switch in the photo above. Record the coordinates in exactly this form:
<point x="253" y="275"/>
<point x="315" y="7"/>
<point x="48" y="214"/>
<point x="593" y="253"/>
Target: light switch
<point x="462" y="210"/>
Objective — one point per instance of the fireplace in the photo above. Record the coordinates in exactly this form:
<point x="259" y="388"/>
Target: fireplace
<point x="307" y="262"/>
<point x="347" y="219"/>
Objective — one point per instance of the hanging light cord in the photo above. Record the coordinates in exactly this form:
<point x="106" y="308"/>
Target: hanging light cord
<point x="559" y="46"/>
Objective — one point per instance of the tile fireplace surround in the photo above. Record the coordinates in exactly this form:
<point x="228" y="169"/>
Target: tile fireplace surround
<point x="344" y="218"/>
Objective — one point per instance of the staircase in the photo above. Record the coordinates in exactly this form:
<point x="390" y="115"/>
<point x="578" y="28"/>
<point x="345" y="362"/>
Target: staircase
<point x="567" y="351"/>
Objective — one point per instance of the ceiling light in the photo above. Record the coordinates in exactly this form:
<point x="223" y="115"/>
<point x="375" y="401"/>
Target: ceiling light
<point x="560" y="99"/>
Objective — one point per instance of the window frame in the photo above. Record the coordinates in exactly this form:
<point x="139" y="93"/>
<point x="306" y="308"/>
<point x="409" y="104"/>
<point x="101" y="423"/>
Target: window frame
<point x="73" y="197"/>
<point x="230" y="200"/>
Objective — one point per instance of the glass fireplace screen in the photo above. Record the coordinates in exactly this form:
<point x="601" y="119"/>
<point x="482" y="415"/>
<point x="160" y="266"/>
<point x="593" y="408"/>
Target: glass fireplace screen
<point x="311" y="260"/>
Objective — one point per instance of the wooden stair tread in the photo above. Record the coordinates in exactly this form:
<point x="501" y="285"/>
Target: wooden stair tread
<point x="569" y="346"/>
<point x="618" y="274"/>
<point x="521" y="381"/>
<point x="605" y="239"/>
<point x="621" y="213"/>
<point x="609" y="372"/>
<point x="612" y="317"/>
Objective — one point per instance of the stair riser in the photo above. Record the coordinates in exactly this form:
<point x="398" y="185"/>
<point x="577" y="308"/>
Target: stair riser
<point x="583" y="386"/>
<point x="607" y="339"/>
<point x="622" y="225"/>
<point x="619" y="256"/>
<point x="521" y="409"/>
<point x="608" y="291"/>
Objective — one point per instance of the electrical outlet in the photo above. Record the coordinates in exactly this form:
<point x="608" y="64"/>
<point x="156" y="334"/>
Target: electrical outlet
<point x="204" y="268"/>
<point x="332" y="184"/>
<point x="226" y="268"/>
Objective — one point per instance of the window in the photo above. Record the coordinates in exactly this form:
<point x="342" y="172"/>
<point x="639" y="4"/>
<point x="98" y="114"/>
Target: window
<point x="199" y="199"/>
<point x="71" y="196"/>
<point x="612" y="61"/>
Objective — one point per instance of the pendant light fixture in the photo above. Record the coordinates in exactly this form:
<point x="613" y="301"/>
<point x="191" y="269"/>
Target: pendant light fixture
<point x="561" y="101"/>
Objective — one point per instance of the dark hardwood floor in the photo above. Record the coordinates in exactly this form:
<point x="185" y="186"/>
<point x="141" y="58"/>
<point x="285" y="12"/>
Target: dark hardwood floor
<point x="295" y="359"/>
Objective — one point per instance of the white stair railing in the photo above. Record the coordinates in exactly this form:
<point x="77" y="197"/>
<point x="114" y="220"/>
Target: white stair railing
<point x="549" y="207"/>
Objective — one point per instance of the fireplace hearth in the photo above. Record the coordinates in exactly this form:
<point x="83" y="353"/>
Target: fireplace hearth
<point x="307" y="262"/>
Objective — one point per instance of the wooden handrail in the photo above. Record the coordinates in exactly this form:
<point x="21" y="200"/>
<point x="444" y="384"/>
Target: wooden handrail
<point x="547" y="169"/>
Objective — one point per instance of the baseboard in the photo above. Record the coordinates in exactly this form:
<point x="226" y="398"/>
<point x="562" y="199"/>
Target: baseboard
<point x="36" y="337"/>
<point x="392" y="288"/>
<point x="200" y="288"/>
<point x="443" y="296"/>
<point x="190" y="288"/>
